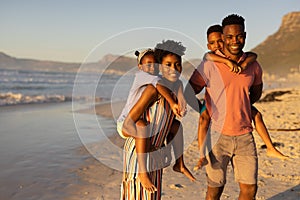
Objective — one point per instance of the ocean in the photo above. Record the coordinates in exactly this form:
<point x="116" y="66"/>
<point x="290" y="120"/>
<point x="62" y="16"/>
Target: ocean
<point x="42" y="130"/>
<point x="31" y="87"/>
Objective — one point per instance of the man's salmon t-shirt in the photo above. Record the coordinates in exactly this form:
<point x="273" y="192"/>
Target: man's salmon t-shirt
<point x="227" y="95"/>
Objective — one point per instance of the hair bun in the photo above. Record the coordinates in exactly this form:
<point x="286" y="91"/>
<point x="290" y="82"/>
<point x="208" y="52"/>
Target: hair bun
<point x="136" y="53"/>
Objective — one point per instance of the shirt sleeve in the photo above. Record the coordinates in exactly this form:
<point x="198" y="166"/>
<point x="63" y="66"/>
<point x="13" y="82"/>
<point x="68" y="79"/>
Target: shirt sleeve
<point x="197" y="81"/>
<point x="242" y="58"/>
<point x="144" y="78"/>
<point x="258" y="74"/>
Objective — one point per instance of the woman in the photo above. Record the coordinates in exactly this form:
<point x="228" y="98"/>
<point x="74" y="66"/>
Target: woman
<point x="157" y="112"/>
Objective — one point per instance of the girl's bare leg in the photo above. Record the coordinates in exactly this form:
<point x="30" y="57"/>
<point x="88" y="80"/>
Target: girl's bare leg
<point x="176" y="138"/>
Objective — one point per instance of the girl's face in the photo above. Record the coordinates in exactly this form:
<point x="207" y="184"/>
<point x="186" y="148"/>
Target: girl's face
<point x="171" y="67"/>
<point x="148" y="65"/>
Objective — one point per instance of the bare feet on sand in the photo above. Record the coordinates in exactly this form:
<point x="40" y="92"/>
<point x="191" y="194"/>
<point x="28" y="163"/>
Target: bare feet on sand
<point x="146" y="182"/>
<point x="202" y="161"/>
<point x="180" y="167"/>
<point x="273" y="152"/>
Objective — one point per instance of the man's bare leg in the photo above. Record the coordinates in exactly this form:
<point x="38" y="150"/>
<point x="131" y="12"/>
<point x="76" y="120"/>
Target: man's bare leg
<point x="214" y="193"/>
<point x="247" y="191"/>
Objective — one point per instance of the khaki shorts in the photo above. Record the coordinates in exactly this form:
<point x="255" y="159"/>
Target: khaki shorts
<point x="119" y="129"/>
<point x="241" y="151"/>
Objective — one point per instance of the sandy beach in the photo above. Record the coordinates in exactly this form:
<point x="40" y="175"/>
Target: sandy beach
<point x="43" y="157"/>
<point x="277" y="179"/>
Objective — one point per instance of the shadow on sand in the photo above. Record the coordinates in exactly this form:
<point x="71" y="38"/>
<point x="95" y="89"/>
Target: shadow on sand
<point x="290" y="194"/>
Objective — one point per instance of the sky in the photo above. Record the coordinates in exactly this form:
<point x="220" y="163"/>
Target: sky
<point x="77" y="31"/>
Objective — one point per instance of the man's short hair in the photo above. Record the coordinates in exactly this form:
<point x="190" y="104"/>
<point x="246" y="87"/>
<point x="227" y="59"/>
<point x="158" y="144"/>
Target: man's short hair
<point x="233" y="19"/>
<point x="214" y="28"/>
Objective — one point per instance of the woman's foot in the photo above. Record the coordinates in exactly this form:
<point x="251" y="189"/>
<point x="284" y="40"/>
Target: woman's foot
<point x="146" y="182"/>
<point x="180" y="167"/>
<point x="202" y="161"/>
<point x="273" y="152"/>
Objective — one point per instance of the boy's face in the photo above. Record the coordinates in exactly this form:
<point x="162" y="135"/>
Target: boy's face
<point x="171" y="67"/>
<point x="148" y="65"/>
<point x="214" y="41"/>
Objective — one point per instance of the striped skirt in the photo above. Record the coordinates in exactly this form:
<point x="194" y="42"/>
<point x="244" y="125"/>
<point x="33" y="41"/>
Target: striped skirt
<point x="160" y="118"/>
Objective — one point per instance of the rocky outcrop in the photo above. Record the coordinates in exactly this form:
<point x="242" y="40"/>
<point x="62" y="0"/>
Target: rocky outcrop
<point x="280" y="52"/>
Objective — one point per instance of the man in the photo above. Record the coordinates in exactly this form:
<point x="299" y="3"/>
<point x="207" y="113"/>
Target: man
<point x="228" y="100"/>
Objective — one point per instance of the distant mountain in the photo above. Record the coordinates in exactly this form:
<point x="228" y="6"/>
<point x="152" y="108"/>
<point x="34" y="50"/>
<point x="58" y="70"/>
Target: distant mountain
<point x="108" y="64"/>
<point x="280" y="52"/>
<point x="116" y="63"/>
<point x="9" y="62"/>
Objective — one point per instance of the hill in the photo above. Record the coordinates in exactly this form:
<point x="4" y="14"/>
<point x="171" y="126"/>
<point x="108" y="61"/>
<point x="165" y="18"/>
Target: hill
<point x="9" y="62"/>
<point x="280" y="52"/>
<point x="108" y="64"/>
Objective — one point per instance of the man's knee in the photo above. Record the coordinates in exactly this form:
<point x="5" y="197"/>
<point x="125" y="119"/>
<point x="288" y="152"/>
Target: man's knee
<point x="248" y="190"/>
<point x="214" y="193"/>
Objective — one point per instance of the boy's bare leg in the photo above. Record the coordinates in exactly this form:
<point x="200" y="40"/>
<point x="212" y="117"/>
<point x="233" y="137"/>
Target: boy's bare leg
<point x="142" y="148"/>
<point x="264" y="134"/>
<point x="203" y="124"/>
<point x="176" y="138"/>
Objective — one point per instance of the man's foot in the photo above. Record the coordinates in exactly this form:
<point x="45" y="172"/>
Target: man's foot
<point x="146" y="182"/>
<point x="183" y="169"/>
<point x="202" y="161"/>
<point x="273" y="152"/>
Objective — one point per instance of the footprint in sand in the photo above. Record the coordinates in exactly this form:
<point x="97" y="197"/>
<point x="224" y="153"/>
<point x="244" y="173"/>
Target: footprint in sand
<point x="176" y="186"/>
<point x="261" y="183"/>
